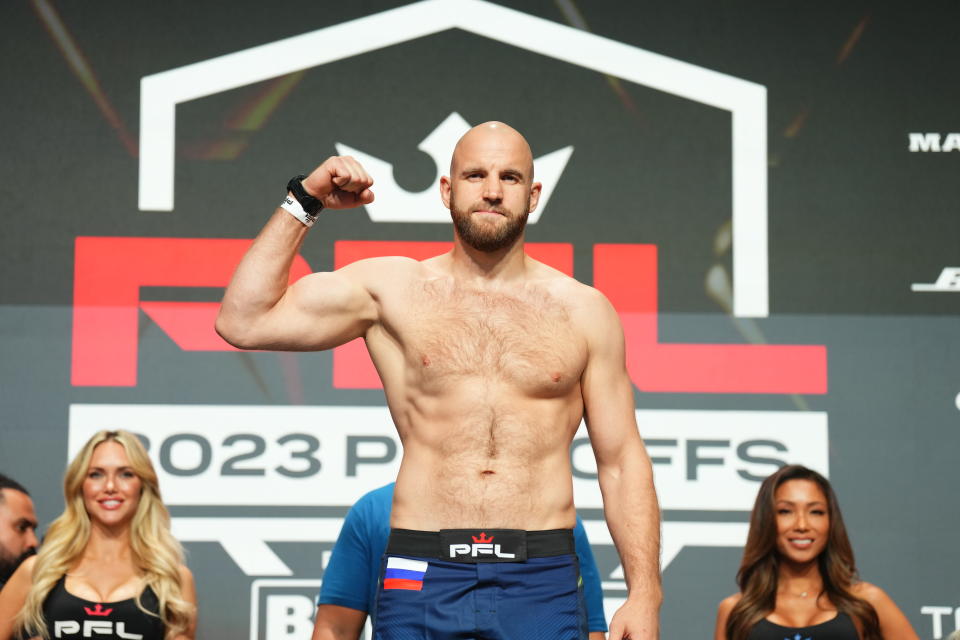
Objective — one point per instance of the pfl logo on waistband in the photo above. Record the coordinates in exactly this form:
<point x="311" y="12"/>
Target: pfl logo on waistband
<point x="482" y="546"/>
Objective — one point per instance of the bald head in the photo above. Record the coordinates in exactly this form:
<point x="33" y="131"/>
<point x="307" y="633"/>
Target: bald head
<point x="490" y="190"/>
<point x="493" y="140"/>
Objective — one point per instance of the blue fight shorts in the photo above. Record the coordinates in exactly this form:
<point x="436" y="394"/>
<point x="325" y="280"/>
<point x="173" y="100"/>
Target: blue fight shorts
<point x="490" y="584"/>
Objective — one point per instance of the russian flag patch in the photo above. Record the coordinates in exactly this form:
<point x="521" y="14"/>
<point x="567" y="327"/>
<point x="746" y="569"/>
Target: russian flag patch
<point x="402" y="573"/>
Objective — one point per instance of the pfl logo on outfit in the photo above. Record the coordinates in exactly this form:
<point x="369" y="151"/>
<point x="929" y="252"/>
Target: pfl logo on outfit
<point x="98" y="610"/>
<point x="91" y="628"/>
<point x="478" y="549"/>
<point x="481" y="548"/>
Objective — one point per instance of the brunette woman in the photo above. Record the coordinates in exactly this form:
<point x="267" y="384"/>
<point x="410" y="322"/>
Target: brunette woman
<point x="798" y="578"/>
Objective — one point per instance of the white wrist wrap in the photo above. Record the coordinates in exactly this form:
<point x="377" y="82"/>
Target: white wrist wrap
<point x="291" y="206"/>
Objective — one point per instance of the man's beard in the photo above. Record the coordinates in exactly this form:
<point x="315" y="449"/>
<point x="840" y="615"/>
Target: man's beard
<point x="9" y="564"/>
<point x="483" y="237"/>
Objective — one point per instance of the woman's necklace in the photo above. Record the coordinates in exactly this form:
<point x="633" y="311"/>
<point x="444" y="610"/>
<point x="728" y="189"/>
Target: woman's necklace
<point x="803" y="594"/>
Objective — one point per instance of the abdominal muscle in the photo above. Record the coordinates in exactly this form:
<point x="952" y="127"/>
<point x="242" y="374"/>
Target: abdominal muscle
<point x="484" y="388"/>
<point x="469" y="462"/>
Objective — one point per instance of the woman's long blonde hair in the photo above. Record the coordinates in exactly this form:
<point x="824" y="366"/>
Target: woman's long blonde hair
<point x="156" y="553"/>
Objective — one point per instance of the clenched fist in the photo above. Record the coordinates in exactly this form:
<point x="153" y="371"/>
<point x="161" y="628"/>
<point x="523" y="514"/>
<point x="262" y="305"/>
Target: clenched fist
<point x="340" y="182"/>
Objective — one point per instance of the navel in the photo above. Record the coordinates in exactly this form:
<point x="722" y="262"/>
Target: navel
<point x="487" y="472"/>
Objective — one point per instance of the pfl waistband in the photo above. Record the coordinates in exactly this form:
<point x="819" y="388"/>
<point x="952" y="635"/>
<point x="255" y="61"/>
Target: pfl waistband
<point x="481" y="545"/>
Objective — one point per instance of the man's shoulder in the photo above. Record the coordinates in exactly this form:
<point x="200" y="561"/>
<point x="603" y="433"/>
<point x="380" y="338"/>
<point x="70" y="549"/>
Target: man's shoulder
<point x="571" y="289"/>
<point x="383" y="265"/>
<point x="590" y="312"/>
<point x="585" y="302"/>
<point x="384" y="274"/>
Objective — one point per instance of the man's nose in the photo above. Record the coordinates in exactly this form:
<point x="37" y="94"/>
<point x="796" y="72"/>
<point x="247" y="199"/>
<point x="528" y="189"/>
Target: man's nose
<point x="491" y="188"/>
<point x="32" y="542"/>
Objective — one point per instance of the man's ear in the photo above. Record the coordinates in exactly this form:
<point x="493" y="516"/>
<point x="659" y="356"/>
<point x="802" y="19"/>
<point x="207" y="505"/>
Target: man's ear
<point x="445" y="191"/>
<point x="535" y="195"/>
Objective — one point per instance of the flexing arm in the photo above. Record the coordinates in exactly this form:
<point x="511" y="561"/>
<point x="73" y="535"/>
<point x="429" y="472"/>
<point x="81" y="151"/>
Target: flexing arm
<point x="322" y="310"/>
<point x="626" y="477"/>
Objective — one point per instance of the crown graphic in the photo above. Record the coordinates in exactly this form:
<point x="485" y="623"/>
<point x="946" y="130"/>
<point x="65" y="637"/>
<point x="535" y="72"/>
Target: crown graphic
<point x="483" y="538"/>
<point x="98" y="610"/>
<point x="396" y="204"/>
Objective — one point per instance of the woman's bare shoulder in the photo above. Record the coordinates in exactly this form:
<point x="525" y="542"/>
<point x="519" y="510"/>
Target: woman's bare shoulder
<point x="869" y="592"/>
<point x="728" y="603"/>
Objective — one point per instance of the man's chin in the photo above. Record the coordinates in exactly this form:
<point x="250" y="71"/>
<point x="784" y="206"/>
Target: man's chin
<point x="488" y="231"/>
<point x="491" y="245"/>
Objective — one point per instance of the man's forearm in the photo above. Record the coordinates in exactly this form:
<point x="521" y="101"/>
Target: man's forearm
<point x="334" y="622"/>
<point x="633" y="516"/>
<point x="261" y="277"/>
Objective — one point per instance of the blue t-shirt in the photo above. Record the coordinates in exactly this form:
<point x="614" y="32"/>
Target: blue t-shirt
<point x="350" y="579"/>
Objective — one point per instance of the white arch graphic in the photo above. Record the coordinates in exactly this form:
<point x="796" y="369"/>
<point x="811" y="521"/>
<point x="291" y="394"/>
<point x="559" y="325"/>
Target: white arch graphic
<point x="747" y="101"/>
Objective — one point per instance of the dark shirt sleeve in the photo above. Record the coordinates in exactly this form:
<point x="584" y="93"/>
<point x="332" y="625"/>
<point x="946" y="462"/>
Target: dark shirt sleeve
<point x="592" y="590"/>
<point x="345" y="580"/>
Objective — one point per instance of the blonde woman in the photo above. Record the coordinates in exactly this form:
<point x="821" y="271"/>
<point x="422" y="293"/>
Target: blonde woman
<point x="108" y="567"/>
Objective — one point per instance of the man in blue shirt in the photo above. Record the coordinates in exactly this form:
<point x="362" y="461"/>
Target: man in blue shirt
<point x="349" y="589"/>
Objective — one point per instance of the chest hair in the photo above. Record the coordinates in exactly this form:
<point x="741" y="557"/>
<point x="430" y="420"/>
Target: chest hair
<point x="524" y="337"/>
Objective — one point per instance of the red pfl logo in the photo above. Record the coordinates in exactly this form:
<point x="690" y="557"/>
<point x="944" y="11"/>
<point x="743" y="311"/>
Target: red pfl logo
<point x="98" y="610"/>
<point x="109" y="272"/>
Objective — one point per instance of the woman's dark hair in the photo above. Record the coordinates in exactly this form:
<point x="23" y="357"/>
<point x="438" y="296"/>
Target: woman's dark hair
<point x="759" y="569"/>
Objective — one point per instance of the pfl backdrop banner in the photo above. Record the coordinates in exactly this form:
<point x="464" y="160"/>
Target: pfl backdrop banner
<point x="767" y="193"/>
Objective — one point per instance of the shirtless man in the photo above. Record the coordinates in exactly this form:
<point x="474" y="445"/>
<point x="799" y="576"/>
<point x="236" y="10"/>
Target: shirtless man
<point x="489" y="360"/>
